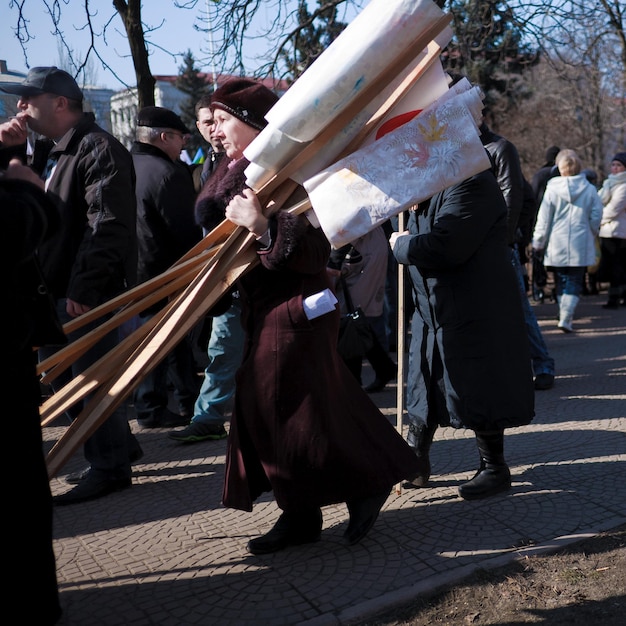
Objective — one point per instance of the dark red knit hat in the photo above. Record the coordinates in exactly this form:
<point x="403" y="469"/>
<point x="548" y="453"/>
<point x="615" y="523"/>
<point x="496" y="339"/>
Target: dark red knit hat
<point x="246" y="99"/>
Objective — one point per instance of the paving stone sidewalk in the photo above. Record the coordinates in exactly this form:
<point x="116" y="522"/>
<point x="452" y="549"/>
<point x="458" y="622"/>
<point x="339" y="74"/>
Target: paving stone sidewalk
<point x="166" y="553"/>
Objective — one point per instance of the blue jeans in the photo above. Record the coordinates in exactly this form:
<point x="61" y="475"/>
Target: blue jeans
<point x="542" y="362"/>
<point x="225" y="350"/>
<point x="569" y="280"/>
<point x="109" y="449"/>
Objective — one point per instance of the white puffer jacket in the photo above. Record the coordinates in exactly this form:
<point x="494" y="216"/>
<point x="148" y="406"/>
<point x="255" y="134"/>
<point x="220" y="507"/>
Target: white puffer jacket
<point x="568" y="221"/>
<point x="613" y="196"/>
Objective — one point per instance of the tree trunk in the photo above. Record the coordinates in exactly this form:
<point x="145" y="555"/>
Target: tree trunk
<point x="130" y="12"/>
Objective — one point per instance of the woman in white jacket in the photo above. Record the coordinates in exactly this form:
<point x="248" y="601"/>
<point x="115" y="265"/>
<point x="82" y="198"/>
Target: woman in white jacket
<point x="567" y="223"/>
<point x="613" y="231"/>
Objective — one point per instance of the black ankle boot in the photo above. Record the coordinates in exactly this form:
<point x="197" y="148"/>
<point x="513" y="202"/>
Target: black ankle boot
<point x="611" y="303"/>
<point x="291" y="529"/>
<point x="384" y="367"/>
<point x="493" y="475"/>
<point x="420" y="439"/>
<point x="363" y="514"/>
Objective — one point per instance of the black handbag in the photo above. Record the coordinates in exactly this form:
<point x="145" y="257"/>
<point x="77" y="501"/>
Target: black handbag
<point x="355" y="333"/>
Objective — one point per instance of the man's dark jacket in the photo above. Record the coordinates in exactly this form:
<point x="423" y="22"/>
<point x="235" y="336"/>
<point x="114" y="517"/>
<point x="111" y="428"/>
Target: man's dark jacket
<point x="508" y="171"/>
<point x="166" y="227"/>
<point x="92" y="257"/>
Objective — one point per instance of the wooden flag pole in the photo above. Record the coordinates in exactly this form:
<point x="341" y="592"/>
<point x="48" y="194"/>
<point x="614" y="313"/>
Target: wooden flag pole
<point x="201" y="254"/>
<point x="108" y="366"/>
<point x="400" y="346"/>
<point x="178" y="319"/>
<point x="58" y="362"/>
<point x="82" y="385"/>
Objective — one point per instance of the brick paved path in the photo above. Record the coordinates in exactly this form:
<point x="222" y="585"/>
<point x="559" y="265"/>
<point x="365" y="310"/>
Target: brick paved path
<point x="165" y="552"/>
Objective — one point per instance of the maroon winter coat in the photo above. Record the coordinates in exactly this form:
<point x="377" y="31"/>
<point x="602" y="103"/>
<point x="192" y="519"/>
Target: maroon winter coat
<point x="301" y="424"/>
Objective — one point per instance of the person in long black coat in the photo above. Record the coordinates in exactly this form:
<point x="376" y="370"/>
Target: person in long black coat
<point x="469" y="364"/>
<point x="26" y="218"/>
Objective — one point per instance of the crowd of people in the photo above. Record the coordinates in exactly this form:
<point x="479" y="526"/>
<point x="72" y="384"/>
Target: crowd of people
<point x="119" y="217"/>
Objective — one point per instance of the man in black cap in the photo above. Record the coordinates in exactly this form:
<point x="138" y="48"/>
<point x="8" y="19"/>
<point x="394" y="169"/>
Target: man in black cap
<point x="92" y="257"/>
<point x="166" y="230"/>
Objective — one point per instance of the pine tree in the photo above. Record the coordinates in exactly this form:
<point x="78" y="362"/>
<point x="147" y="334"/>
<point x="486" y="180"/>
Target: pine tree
<point x="488" y="48"/>
<point x="192" y="83"/>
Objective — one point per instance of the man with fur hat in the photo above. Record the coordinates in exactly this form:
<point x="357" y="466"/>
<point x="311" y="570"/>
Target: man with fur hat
<point x="301" y="425"/>
<point x="166" y="230"/>
<point x="92" y="256"/>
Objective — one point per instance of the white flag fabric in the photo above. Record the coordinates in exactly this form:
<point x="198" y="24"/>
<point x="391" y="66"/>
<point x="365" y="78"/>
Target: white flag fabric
<point x="432" y="85"/>
<point x="438" y="148"/>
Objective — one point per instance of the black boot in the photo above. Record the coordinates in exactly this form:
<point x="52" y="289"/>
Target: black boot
<point x="363" y="514"/>
<point x="612" y="302"/>
<point x="385" y="369"/>
<point x="493" y="476"/>
<point x="420" y="439"/>
<point x="293" y="528"/>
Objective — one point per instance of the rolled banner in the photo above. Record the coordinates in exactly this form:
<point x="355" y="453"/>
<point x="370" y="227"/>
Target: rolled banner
<point x="432" y="85"/>
<point x="436" y="149"/>
<point x="363" y="51"/>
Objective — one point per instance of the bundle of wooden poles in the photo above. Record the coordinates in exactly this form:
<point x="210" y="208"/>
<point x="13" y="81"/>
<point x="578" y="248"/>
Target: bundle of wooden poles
<point x="196" y="282"/>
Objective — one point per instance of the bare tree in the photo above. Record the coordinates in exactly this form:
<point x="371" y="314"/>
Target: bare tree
<point x="240" y="23"/>
<point x="89" y="73"/>
<point x="234" y="20"/>
<point x="130" y="12"/>
<point x="555" y="114"/>
<point x="577" y="34"/>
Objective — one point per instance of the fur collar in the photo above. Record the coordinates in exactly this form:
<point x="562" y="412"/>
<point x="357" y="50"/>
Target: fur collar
<point x="220" y="188"/>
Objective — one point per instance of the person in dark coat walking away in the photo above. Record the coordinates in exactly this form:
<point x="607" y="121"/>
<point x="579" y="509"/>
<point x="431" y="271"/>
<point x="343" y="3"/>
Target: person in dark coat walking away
<point x="547" y="171"/>
<point x="302" y="426"/>
<point x="508" y="172"/>
<point x="166" y="230"/>
<point x="92" y="257"/>
<point x="28" y="216"/>
<point x="469" y="361"/>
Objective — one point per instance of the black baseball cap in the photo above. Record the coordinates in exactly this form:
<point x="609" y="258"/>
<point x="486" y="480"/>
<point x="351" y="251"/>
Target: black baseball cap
<point x="159" y="117"/>
<point x="46" y="80"/>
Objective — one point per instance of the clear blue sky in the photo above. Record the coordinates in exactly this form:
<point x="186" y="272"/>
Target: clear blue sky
<point x="176" y="34"/>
